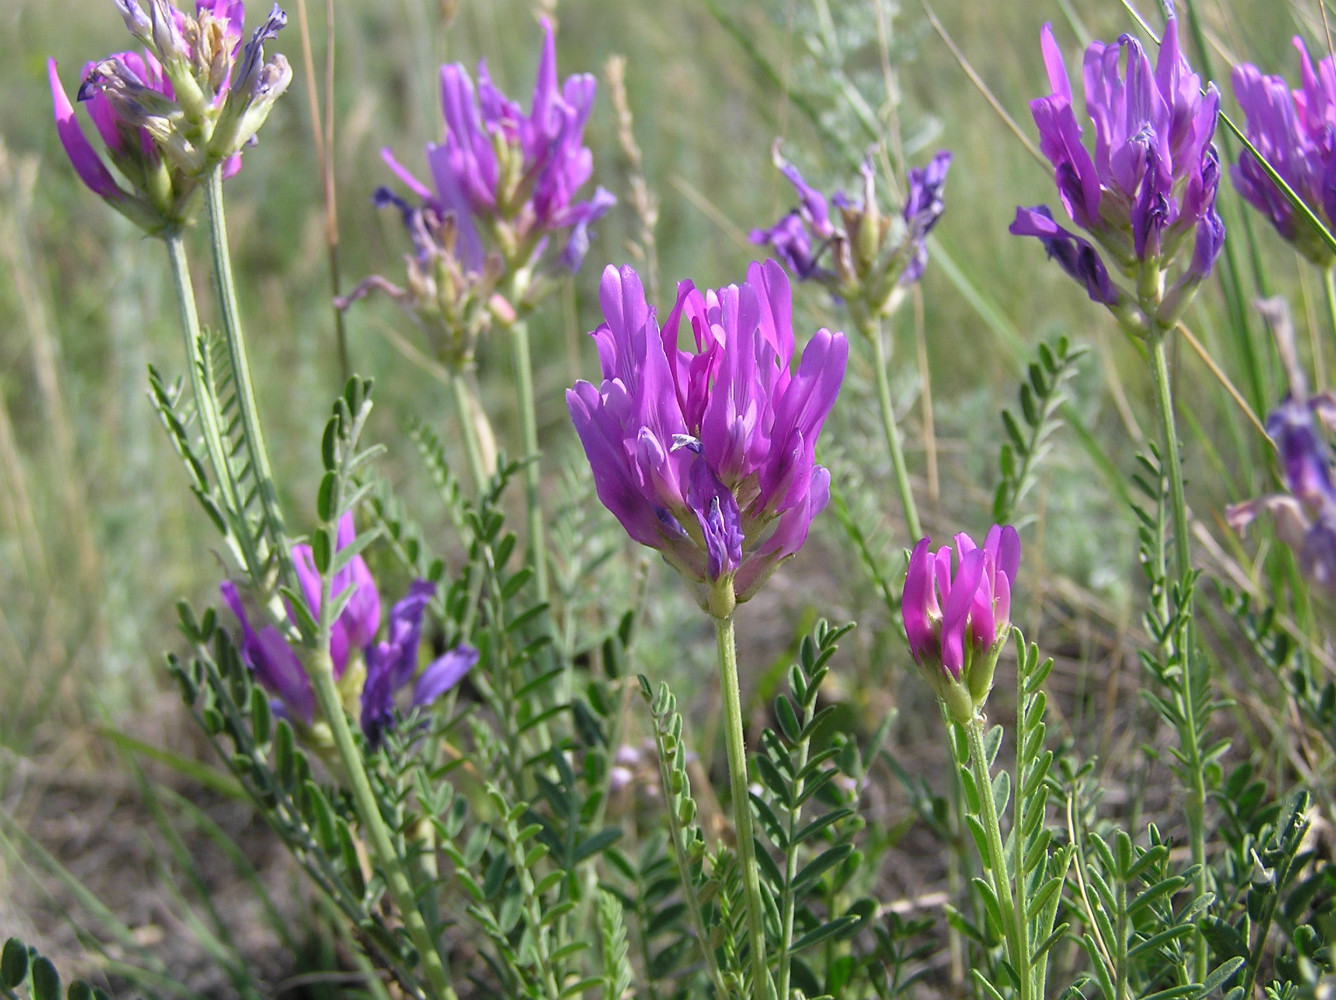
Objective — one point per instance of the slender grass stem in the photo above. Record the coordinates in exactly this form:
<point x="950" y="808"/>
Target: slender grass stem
<point x="742" y="813"/>
<point x="1009" y="906"/>
<point x="872" y="328"/>
<point x="248" y="412"/>
<point x="468" y="428"/>
<point x="519" y="334"/>
<point x="1195" y="807"/>
<point x="210" y="421"/>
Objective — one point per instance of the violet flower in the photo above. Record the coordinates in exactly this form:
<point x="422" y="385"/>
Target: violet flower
<point x="509" y="174"/>
<point x="384" y="667"/>
<point x="392" y="664"/>
<point x="869" y="258"/>
<point x="1150" y="186"/>
<point x="709" y="456"/>
<point x="452" y="302"/>
<point x="169" y="116"/>
<point x="957" y="610"/>
<point x="1293" y="132"/>
<point x="1305" y="517"/>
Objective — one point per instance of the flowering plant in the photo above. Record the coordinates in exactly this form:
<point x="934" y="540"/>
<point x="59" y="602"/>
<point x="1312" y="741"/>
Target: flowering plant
<point x="512" y="175"/>
<point x="957" y="613"/>
<point x="871" y="258"/>
<point x="1292" y="131"/>
<point x="710" y="457"/>
<point x="368" y="671"/>
<point x="188" y="104"/>
<point x="1150" y="186"/>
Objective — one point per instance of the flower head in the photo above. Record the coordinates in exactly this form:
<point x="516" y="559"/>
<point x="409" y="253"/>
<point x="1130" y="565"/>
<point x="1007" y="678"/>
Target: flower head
<point x="709" y="456"/>
<point x="513" y="175"/>
<point x="169" y="116"/>
<point x="1293" y="131"/>
<point x="1305" y="517"/>
<point x="366" y="669"/>
<point x="957" y="610"/>
<point x="1150" y="186"/>
<point x="870" y="257"/>
<point x="452" y="302"/>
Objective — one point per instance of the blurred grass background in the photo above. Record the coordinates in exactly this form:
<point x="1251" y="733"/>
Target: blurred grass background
<point x="98" y="536"/>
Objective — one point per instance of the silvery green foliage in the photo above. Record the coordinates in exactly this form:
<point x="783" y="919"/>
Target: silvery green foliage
<point x="1042" y="395"/>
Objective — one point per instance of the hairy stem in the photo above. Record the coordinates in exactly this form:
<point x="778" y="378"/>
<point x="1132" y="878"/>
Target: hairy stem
<point x="206" y="409"/>
<point x="1195" y="806"/>
<point x="519" y="332"/>
<point x="742" y="813"/>
<point x="368" y="814"/>
<point x="248" y="412"/>
<point x="1017" y="938"/>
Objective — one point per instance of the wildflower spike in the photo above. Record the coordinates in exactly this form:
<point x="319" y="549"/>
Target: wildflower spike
<point x="956" y="607"/>
<point x="709" y="457"/>
<point x="1148" y="190"/>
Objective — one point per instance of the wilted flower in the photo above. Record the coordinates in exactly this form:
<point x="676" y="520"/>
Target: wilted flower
<point x="1305" y="518"/>
<point x="168" y="117"/>
<point x="957" y="611"/>
<point x="868" y="257"/>
<point x="451" y="300"/>
<point x="514" y="175"/>
<point x="1150" y="186"/>
<point x="382" y="667"/>
<point x="1293" y="131"/>
<point x="709" y="457"/>
<point x="1300" y="427"/>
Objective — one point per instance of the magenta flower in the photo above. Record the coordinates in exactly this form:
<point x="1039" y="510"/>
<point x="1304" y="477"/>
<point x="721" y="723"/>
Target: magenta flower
<point x="709" y="456"/>
<point x="389" y="665"/>
<point x="957" y="611"/>
<point x="1293" y="131"/>
<point x="1150" y="186"/>
<point x="169" y="115"/>
<point x="867" y="257"/>
<point x="513" y="174"/>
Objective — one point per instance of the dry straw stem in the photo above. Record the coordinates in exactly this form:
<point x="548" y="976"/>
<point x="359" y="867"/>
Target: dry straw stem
<point x="643" y="199"/>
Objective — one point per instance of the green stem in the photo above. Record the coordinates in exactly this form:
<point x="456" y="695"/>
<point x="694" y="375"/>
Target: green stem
<point x="788" y="901"/>
<point x="519" y="332"/>
<point x="742" y="813"/>
<point x="248" y="411"/>
<point x="373" y="824"/>
<point x="1018" y="941"/>
<point x="468" y="427"/>
<point x="210" y="422"/>
<point x="1329" y="287"/>
<point x="872" y="328"/>
<point x="1195" y="807"/>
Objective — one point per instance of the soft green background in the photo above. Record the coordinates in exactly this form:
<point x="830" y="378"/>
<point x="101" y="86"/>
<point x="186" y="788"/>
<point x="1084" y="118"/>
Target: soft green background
<point x="98" y="536"/>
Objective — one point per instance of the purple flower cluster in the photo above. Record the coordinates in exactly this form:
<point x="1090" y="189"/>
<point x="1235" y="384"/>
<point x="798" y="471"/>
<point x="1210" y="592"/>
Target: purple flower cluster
<point x="957" y="610"/>
<point x="709" y="456"/>
<point x="1305" y="518"/>
<point x="1295" y="131"/>
<point x="390" y="664"/>
<point x="868" y="256"/>
<point x="1150" y="186"/>
<point x="509" y="173"/>
<point x="190" y="102"/>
